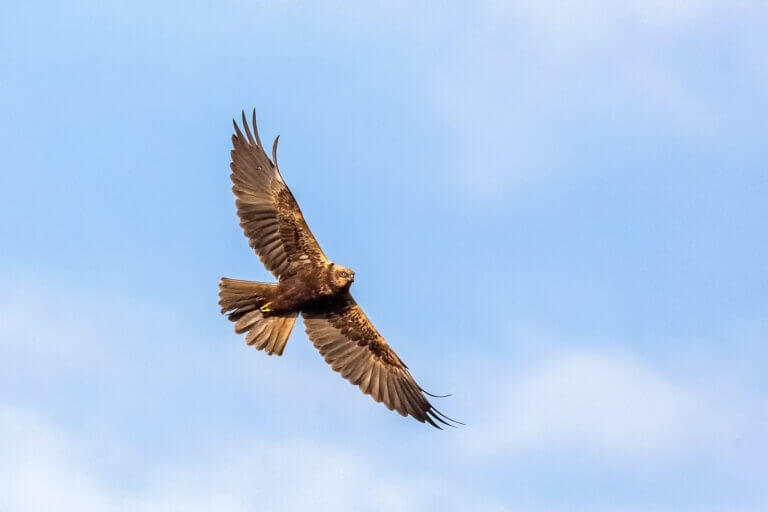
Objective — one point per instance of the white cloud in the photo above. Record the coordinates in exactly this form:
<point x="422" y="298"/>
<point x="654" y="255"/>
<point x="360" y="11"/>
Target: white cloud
<point x="35" y="469"/>
<point x="42" y="470"/>
<point x="604" y="408"/>
<point x="608" y="407"/>
<point x="525" y="77"/>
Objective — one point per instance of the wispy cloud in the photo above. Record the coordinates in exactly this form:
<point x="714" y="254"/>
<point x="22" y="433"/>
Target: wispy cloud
<point x="529" y="81"/>
<point x="43" y="469"/>
<point x="607" y="407"/>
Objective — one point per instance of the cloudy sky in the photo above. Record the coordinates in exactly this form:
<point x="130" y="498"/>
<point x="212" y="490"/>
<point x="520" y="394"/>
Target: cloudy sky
<point x="556" y="211"/>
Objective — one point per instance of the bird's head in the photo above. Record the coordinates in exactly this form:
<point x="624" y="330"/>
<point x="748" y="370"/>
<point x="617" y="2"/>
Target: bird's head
<point x="342" y="276"/>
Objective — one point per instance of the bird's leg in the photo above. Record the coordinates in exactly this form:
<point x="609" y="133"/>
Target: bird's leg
<point x="266" y="308"/>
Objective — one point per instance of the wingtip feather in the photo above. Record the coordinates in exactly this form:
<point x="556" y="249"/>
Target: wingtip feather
<point x="274" y="151"/>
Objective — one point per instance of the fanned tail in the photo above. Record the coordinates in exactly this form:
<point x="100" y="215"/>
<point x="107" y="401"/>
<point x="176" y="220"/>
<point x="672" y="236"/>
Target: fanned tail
<point x="242" y="300"/>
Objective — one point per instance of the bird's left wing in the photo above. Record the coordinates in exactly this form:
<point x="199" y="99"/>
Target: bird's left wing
<point x="269" y="215"/>
<point x="351" y="345"/>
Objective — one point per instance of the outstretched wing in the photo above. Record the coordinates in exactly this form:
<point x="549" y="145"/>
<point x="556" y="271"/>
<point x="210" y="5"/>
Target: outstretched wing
<point x="268" y="213"/>
<point x="351" y="345"/>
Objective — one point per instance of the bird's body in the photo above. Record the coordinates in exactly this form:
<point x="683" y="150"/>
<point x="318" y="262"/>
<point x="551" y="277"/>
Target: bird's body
<point x="308" y="284"/>
<point x="301" y="289"/>
<point x="311" y="284"/>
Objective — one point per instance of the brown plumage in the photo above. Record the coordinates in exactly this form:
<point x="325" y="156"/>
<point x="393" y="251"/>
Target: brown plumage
<point x="309" y="284"/>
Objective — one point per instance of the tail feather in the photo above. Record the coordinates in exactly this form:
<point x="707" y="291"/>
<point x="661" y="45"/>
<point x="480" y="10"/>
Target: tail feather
<point x="242" y="300"/>
<point x="243" y="296"/>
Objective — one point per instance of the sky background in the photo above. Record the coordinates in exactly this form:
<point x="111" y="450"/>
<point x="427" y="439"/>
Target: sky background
<point x="556" y="211"/>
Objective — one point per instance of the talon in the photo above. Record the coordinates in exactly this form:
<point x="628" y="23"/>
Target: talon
<point x="266" y="308"/>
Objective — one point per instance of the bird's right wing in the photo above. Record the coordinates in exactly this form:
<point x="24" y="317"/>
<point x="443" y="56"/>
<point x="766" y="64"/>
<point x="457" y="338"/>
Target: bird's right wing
<point x="351" y="345"/>
<point x="269" y="214"/>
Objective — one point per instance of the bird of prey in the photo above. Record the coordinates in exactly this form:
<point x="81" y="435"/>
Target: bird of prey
<point x="310" y="285"/>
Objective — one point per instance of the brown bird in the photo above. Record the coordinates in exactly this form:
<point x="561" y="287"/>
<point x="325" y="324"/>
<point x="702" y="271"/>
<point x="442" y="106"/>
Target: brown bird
<point x="310" y="285"/>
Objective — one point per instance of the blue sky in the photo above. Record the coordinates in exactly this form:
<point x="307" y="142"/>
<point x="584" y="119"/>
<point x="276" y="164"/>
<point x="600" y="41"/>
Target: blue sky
<point x="555" y="212"/>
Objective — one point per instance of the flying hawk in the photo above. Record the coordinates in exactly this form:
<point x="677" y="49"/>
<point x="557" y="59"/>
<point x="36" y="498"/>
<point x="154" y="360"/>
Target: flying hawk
<point x="310" y="285"/>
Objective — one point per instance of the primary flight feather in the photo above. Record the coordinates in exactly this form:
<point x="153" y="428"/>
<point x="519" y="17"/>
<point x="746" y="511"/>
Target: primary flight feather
<point x="308" y="284"/>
